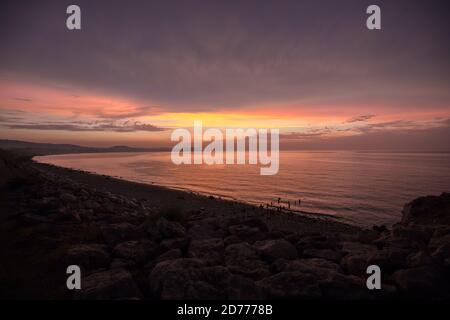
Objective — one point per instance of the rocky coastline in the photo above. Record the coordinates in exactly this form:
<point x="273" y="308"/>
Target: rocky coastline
<point x="135" y="241"/>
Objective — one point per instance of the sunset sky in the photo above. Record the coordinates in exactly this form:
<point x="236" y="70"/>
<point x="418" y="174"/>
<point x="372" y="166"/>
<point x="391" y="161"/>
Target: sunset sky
<point x="139" y="69"/>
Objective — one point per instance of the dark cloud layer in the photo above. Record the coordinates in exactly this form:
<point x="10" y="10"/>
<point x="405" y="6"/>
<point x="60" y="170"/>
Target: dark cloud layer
<point x="401" y="140"/>
<point x="397" y="126"/>
<point x="361" y="118"/>
<point x="75" y="127"/>
<point x="202" y="55"/>
<point x="18" y="119"/>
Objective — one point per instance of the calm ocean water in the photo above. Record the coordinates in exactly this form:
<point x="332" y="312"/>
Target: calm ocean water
<point x="362" y="187"/>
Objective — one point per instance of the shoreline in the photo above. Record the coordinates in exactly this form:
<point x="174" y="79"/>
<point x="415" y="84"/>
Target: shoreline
<point x="173" y="195"/>
<point x="140" y="241"/>
<point x="272" y="208"/>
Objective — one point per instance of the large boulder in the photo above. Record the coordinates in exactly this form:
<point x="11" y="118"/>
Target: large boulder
<point x="159" y="272"/>
<point x="429" y="210"/>
<point x="188" y="279"/>
<point x="243" y="259"/>
<point x="427" y="281"/>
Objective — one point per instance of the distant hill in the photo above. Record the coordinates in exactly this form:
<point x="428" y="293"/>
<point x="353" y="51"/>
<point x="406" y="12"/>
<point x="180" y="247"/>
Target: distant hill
<point x="37" y="149"/>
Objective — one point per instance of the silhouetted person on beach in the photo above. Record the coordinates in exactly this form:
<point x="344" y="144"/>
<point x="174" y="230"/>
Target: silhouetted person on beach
<point x="299" y="202"/>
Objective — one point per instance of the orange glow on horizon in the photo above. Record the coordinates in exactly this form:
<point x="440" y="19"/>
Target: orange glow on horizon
<point x="41" y="103"/>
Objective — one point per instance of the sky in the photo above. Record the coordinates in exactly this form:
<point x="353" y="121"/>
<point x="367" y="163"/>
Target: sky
<point x="139" y="69"/>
